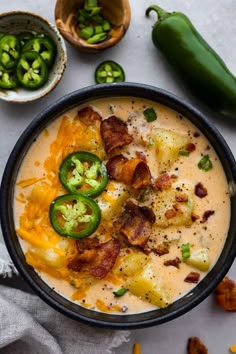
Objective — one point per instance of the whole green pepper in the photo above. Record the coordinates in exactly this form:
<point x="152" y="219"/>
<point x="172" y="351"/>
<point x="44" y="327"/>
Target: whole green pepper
<point x="199" y="66"/>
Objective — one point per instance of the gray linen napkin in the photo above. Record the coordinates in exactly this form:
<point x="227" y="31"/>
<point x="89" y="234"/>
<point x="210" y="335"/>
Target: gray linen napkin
<point x="30" y="326"/>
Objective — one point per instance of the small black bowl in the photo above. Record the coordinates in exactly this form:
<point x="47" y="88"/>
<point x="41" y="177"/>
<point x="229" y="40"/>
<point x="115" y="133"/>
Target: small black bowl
<point x="141" y="320"/>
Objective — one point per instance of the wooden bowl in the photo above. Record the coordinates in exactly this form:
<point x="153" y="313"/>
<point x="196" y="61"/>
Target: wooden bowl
<point x="116" y="11"/>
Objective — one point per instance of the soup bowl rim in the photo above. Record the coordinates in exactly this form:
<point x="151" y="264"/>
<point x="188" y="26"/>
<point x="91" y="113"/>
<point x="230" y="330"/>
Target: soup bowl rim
<point x="54" y="299"/>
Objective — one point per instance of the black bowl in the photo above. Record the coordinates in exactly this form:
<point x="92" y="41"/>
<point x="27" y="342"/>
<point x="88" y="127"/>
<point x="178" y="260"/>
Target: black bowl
<point x="178" y="308"/>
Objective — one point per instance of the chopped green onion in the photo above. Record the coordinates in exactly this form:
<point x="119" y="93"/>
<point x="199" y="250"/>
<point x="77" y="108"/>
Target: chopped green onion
<point x="120" y="292"/>
<point x="86" y="32"/>
<point x="151" y="142"/>
<point x="95" y="11"/>
<point x="98" y="19"/>
<point x="205" y="163"/>
<point x="184" y="153"/>
<point x="98" y="29"/>
<point x="185" y="250"/>
<point x="89" y="4"/>
<point x="81" y="19"/>
<point x="106" y="26"/>
<point x="150" y="115"/>
<point x="97" y="38"/>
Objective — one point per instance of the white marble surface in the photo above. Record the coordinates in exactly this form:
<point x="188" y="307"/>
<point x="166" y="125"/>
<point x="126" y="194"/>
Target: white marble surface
<point x="142" y="63"/>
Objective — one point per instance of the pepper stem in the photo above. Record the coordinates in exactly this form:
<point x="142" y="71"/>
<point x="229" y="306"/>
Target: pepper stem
<point x="162" y="14"/>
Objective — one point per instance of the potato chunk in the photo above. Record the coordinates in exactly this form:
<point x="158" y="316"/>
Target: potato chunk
<point x="147" y="286"/>
<point x="199" y="259"/>
<point x="168" y="143"/>
<point x="131" y="264"/>
<point x="174" y="206"/>
<point x="112" y="200"/>
<point x="48" y="257"/>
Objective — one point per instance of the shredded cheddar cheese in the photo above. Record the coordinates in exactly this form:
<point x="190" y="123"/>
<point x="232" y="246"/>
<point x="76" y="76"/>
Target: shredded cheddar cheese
<point x="232" y="348"/>
<point x="137" y="348"/>
<point x="28" y="182"/>
<point x="46" y="252"/>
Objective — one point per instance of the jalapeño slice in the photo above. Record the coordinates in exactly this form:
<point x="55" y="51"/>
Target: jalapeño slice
<point x="8" y="79"/>
<point x="9" y="51"/>
<point x="24" y="37"/>
<point x="83" y="173"/>
<point x="43" y="46"/>
<point x="74" y="215"/>
<point x="108" y="72"/>
<point x="31" y="70"/>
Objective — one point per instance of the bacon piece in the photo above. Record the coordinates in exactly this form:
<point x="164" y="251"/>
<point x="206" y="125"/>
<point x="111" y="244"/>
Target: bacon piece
<point x="194" y="217"/>
<point x="170" y="213"/>
<point x="181" y="197"/>
<point x="164" y="181"/>
<point x="225" y="294"/>
<point x="195" y="346"/>
<point x="200" y="190"/>
<point x="94" y="257"/>
<point x="88" y="116"/>
<point x="135" y="223"/>
<point x="190" y="147"/>
<point x="173" y="262"/>
<point x="206" y="215"/>
<point x="87" y="243"/>
<point x="192" y="277"/>
<point x="133" y="172"/>
<point x="160" y="250"/>
<point x="114" y="133"/>
<point x="115" y="165"/>
<point x="106" y="258"/>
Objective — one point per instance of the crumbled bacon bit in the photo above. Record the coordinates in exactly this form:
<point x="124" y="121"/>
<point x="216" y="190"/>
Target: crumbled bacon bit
<point x="88" y="116"/>
<point x="225" y="294"/>
<point x="181" y="197"/>
<point x="170" y="213"/>
<point x="160" y="250"/>
<point x="200" y="190"/>
<point x="114" y="133"/>
<point x="164" y="181"/>
<point x="194" y="217"/>
<point x="106" y="258"/>
<point x="87" y="243"/>
<point x="97" y="259"/>
<point x="195" y="346"/>
<point x="206" y="215"/>
<point x="196" y="134"/>
<point x="192" y="277"/>
<point x="173" y="262"/>
<point x="190" y="147"/>
<point x="134" y="172"/>
<point x="135" y="223"/>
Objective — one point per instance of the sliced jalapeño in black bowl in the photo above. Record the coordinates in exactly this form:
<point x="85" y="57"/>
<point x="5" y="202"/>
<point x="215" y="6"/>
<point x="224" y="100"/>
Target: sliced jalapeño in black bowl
<point x="74" y="215"/>
<point x="84" y="173"/>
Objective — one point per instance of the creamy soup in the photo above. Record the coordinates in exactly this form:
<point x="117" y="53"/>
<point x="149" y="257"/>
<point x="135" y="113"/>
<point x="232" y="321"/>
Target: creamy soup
<point x="161" y="217"/>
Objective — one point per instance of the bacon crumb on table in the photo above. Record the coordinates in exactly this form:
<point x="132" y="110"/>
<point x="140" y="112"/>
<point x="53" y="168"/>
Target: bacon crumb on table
<point x="225" y="294"/>
<point x="195" y="346"/>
